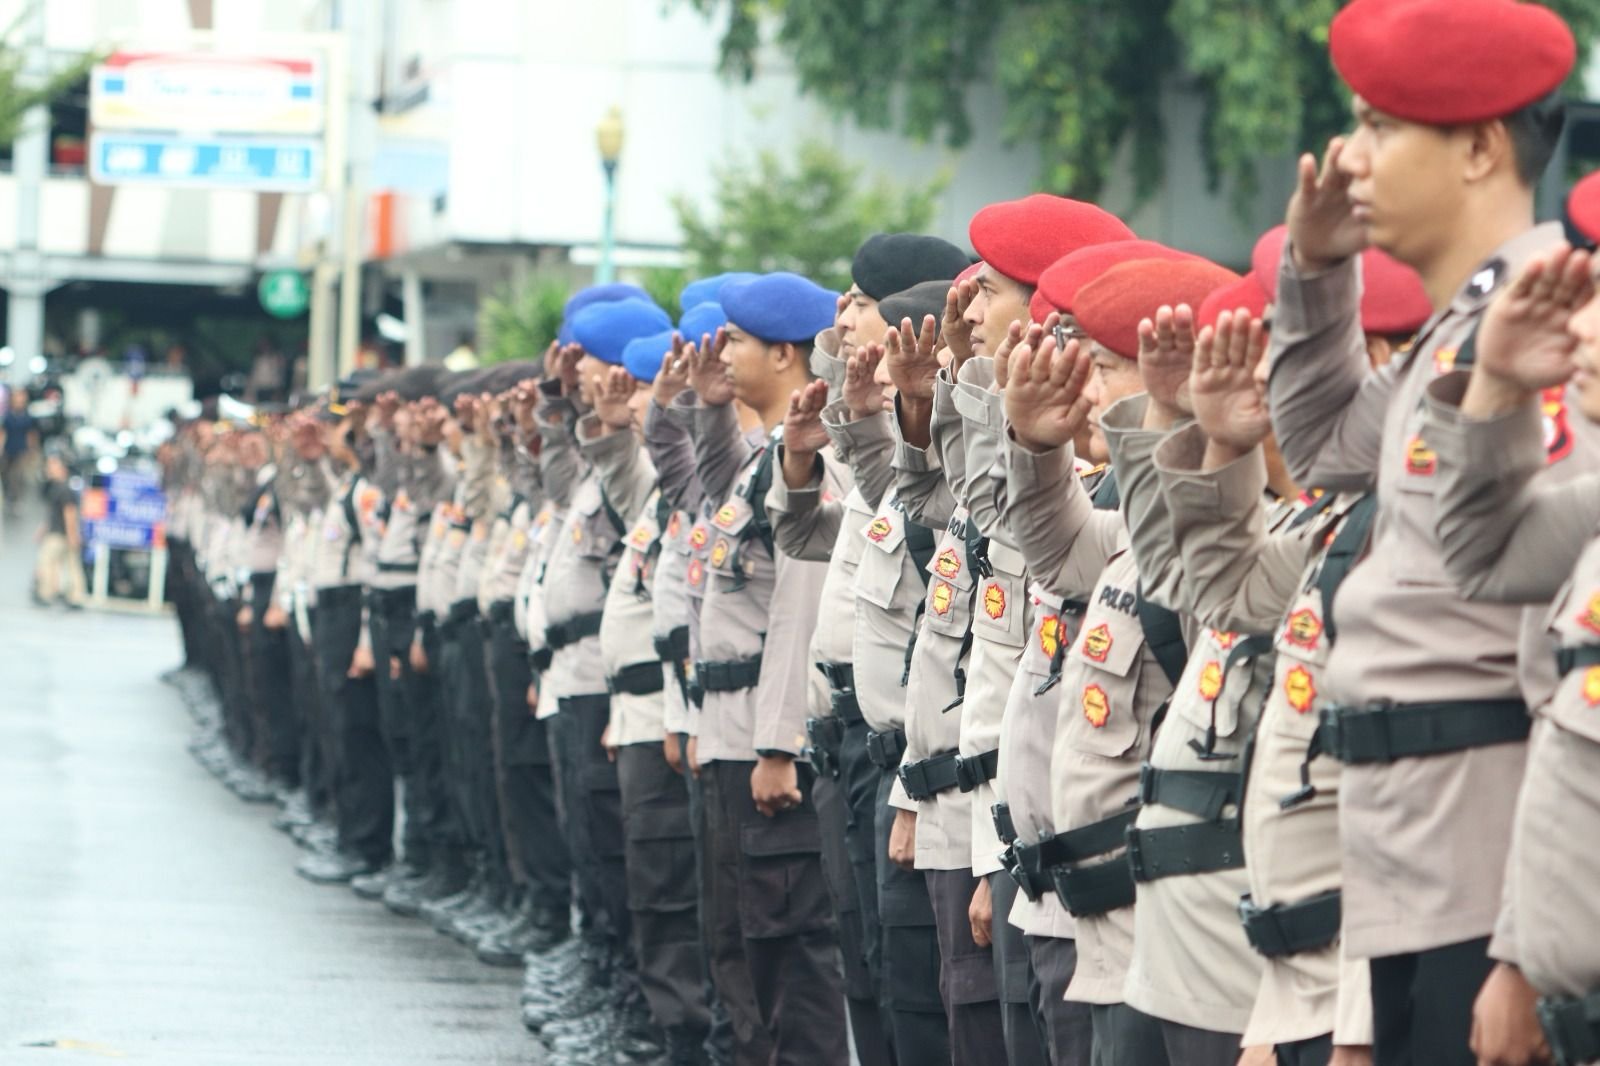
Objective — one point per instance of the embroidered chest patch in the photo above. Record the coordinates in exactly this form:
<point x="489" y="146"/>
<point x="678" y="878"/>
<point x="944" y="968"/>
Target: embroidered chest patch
<point x="1097" y="642"/>
<point x="1096" y="706"/>
<point x="1300" y="689"/>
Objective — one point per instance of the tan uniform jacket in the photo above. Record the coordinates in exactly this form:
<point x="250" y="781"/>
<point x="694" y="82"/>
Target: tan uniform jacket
<point x="924" y="481"/>
<point x="1241" y="575"/>
<point x="629" y="482"/>
<point x="1000" y="609"/>
<point x="1425" y="839"/>
<point x="1507" y="531"/>
<point x="757" y="602"/>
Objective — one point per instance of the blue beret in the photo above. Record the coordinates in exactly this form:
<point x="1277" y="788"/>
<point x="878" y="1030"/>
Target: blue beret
<point x="643" y="355"/>
<point x="599" y="294"/>
<point x="780" y="307"/>
<point x="564" y="334"/>
<point x="700" y="320"/>
<point x="605" y="329"/>
<point x="706" y="290"/>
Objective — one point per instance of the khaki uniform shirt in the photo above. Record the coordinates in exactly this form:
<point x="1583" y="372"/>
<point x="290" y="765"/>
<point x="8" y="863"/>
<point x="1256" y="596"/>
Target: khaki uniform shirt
<point x="925" y="480"/>
<point x="629" y="480"/>
<point x="756" y="603"/>
<point x="1507" y="531"/>
<point x="1425" y="839"/>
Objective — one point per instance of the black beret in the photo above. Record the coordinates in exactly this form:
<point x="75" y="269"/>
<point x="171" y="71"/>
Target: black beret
<point x="914" y="303"/>
<point x="464" y="383"/>
<point x="893" y="262"/>
<point x="505" y="375"/>
<point x="410" y="383"/>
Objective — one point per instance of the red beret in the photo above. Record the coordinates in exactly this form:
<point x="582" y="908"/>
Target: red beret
<point x="1393" y="301"/>
<point x="1020" y="238"/>
<point x="969" y="273"/>
<point x="1583" y="206"/>
<point x="1110" y="308"/>
<point x="1443" y="62"/>
<point x="1039" y="308"/>
<point x="1245" y="293"/>
<point x="1061" y="282"/>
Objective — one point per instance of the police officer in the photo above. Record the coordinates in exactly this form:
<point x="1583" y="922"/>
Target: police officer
<point x="1425" y="818"/>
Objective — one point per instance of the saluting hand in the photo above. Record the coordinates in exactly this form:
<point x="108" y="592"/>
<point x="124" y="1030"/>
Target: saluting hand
<point x="863" y="394"/>
<point x="387" y="404"/>
<point x="955" y="329"/>
<point x="1016" y="336"/>
<point x="1044" y="398"/>
<point x="1523" y="343"/>
<point x="1323" y="226"/>
<point x="707" y="376"/>
<point x="1166" y="356"/>
<point x="565" y="368"/>
<point x="1228" y="403"/>
<point x="612" y="395"/>
<point x="913" y="358"/>
<point x="673" y="377"/>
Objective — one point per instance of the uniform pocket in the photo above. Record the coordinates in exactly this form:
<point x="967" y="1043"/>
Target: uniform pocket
<point x="1101" y="718"/>
<point x="879" y="572"/>
<point x="998" y="610"/>
<point x="660" y="859"/>
<point x="784" y="892"/>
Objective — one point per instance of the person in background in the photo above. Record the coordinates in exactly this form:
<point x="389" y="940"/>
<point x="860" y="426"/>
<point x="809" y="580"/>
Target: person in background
<point x="19" y="439"/>
<point x="58" y="571"/>
<point x="462" y="357"/>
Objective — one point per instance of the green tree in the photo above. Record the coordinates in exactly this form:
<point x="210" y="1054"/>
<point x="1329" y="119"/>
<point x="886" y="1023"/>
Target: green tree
<point x="16" y="97"/>
<point x="795" y="212"/>
<point x="519" y="323"/>
<point x="1081" y="78"/>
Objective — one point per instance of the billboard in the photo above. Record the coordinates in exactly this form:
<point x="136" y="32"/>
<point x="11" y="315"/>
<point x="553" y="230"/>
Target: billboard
<point x="211" y="120"/>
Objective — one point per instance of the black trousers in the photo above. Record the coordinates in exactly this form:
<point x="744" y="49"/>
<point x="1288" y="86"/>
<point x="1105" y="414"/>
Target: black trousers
<point x="391" y="623"/>
<point x="766" y="890"/>
<point x="313" y="733"/>
<point x="662" y="902"/>
<point x="238" y="719"/>
<point x="536" y="850"/>
<point x="971" y="993"/>
<point x="181" y="591"/>
<point x="911" y="962"/>
<point x="464" y="686"/>
<point x="859" y="937"/>
<point x="1127" y="1037"/>
<point x="721" y="1038"/>
<point x="1014" y="974"/>
<point x="591" y="814"/>
<point x="1066" y="1028"/>
<point x="1314" y="1052"/>
<point x="433" y="797"/>
<point x="277" y="711"/>
<point x="1422" y="1004"/>
<point x="362" y="773"/>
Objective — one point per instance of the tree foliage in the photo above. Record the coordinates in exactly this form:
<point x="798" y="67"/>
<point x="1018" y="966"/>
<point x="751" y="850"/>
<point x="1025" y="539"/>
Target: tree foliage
<point x="795" y="212"/>
<point x="1083" y="80"/>
<point x="519" y="323"/>
<point x="16" y="96"/>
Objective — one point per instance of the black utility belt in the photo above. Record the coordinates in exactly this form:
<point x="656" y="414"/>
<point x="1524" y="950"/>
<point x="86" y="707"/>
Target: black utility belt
<point x="884" y="749"/>
<point x="1570" y="659"/>
<point x="1004" y="827"/>
<point x="1572" y="1026"/>
<point x="571" y="631"/>
<point x="1045" y="865"/>
<point x="1202" y="793"/>
<point x="539" y="659"/>
<point x="841" y="676"/>
<point x="397" y="568"/>
<point x="640" y="679"/>
<point x="729" y="675"/>
<point x="926" y="779"/>
<point x="1291" y="928"/>
<point x="1179" y="850"/>
<point x="674" y="647"/>
<point x="1384" y="732"/>
<point x="824" y="737"/>
<point x="502" y="611"/>
<point x="461" y="611"/>
<point x="391" y="600"/>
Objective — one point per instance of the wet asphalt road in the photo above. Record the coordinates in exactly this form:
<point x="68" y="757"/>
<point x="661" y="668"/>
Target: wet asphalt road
<point x="148" y="916"/>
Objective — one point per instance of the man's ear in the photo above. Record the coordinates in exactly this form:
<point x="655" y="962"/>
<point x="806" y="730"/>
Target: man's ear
<point x="1489" y="150"/>
<point x="784" y="356"/>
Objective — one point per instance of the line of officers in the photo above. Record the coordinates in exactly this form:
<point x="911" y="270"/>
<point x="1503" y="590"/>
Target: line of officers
<point x="1084" y="655"/>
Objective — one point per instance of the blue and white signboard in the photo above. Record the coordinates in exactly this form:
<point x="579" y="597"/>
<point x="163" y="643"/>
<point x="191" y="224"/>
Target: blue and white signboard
<point x="129" y="513"/>
<point x="286" y="164"/>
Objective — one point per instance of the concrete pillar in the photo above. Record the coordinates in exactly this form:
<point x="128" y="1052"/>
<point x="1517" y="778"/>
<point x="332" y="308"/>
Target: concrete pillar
<point x="416" y="316"/>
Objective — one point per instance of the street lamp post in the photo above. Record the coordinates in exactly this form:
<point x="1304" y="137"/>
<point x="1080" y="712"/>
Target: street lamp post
<point x="608" y="137"/>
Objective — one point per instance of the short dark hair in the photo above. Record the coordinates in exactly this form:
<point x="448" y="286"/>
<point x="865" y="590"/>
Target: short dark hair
<point x="1535" y="131"/>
